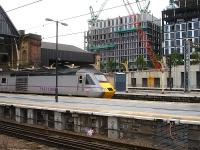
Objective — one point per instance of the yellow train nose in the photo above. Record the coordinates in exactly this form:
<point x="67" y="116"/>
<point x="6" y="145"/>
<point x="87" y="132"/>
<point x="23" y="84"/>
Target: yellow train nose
<point x="109" y="90"/>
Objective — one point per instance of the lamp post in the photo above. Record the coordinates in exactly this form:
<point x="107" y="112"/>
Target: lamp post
<point x="64" y="24"/>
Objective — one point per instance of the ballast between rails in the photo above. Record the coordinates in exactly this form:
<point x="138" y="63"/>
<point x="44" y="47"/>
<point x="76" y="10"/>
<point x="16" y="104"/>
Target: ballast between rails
<point x="62" y="140"/>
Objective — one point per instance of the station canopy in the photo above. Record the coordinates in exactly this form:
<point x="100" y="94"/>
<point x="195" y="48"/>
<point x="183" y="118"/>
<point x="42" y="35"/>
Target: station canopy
<point x="6" y="26"/>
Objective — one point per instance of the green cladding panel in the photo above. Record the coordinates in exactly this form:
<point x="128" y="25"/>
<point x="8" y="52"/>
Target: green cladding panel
<point x="102" y="47"/>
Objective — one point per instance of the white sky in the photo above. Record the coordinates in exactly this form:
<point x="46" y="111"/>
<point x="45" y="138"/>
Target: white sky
<point x="32" y="18"/>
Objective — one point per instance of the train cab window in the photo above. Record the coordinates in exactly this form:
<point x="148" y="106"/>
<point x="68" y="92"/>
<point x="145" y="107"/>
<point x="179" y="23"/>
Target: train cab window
<point x="3" y="80"/>
<point x="101" y="78"/>
<point x="80" y="80"/>
<point x="89" y="80"/>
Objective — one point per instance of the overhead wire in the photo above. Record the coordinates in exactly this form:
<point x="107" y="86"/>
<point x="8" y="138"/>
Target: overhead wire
<point x="25" y="5"/>
<point x="73" y="17"/>
<point x="82" y="15"/>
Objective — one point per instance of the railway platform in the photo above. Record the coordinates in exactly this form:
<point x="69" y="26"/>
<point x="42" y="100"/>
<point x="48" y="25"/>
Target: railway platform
<point x="160" y="125"/>
<point x="157" y="95"/>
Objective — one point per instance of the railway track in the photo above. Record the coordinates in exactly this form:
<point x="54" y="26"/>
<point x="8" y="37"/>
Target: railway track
<point x="62" y="140"/>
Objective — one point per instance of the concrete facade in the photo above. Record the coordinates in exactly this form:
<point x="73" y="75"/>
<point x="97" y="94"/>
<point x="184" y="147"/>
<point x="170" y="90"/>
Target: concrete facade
<point x="59" y="120"/>
<point x="20" y="115"/>
<point x="31" y="116"/>
<point x="152" y="78"/>
<point x="113" y="128"/>
<point x="153" y="134"/>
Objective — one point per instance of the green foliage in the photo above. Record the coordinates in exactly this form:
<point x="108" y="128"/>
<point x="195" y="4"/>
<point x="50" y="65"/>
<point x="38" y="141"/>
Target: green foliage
<point x="140" y="62"/>
<point x="195" y="58"/>
<point x="176" y="59"/>
<point x="108" y="66"/>
<point x="111" y="65"/>
<point x="102" y="65"/>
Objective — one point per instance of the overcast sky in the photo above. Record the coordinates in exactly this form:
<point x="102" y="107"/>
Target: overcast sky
<point x="32" y="18"/>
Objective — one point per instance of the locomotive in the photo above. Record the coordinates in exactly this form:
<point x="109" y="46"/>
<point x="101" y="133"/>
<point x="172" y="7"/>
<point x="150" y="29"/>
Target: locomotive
<point x="79" y="81"/>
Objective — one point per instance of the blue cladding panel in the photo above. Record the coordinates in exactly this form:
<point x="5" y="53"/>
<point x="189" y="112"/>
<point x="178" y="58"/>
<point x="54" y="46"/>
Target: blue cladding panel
<point x="120" y="82"/>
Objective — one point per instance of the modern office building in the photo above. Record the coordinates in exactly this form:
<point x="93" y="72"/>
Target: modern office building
<point x="117" y="40"/>
<point x="180" y="21"/>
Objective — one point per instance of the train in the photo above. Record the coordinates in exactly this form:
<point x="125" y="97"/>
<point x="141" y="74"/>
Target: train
<point x="87" y="82"/>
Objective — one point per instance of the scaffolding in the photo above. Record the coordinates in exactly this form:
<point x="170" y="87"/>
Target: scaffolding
<point x="116" y="39"/>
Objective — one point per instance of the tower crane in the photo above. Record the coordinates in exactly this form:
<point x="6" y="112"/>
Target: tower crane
<point x="143" y="6"/>
<point x="94" y="17"/>
<point x="141" y="32"/>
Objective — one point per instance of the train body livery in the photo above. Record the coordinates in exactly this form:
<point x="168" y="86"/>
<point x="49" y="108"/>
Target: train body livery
<point x="72" y="81"/>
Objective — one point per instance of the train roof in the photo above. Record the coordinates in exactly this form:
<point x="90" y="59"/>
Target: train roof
<point x="65" y="71"/>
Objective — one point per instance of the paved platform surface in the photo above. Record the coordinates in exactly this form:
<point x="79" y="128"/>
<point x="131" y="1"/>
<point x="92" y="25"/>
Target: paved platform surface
<point x="157" y="95"/>
<point x="166" y="93"/>
<point x="146" y="110"/>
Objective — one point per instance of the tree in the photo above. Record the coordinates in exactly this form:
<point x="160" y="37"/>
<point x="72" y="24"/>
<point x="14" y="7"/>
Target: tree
<point x="102" y="65"/>
<point x="111" y="65"/>
<point x="195" y="58"/>
<point x="176" y="59"/>
<point x="140" y="62"/>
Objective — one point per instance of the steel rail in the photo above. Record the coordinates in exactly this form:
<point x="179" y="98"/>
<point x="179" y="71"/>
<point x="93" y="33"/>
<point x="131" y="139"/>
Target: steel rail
<point x="62" y="140"/>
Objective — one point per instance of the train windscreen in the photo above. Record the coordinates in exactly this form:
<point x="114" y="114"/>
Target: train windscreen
<point x="101" y="78"/>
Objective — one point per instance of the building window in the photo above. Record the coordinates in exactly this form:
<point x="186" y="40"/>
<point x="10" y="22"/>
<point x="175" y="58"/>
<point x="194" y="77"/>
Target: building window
<point x="116" y="21"/>
<point x="144" y="82"/>
<point x="170" y="82"/>
<point x="183" y="27"/>
<point x="196" y="25"/>
<point x="196" y="40"/>
<point x="178" y="43"/>
<point x="196" y="34"/>
<point x="166" y="43"/>
<point x="133" y="82"/>
<point x="183" y="34"/>
<point x="166" y="29"/>
<point x="171" y="35"/>
<point x="172" y="28"/>
<point x="178" y="35"/>
<point x="166" y="36"/>
<point x="3" y="80"/>
<point x="178" y="50"/>
<point x="190" y="26"/>
<point x="182" y="80"/>
<point x="198" y="79"/>
<point x="172" y="50"/>
<point x="104" y="24"/>
<point x="172" y="43"/>
<point x="166" y="51"/>
<point x="178" y="27"/>
<point x="190" y="34"/>
<point x="121" y="20"/>
<point x="156" y="82"/>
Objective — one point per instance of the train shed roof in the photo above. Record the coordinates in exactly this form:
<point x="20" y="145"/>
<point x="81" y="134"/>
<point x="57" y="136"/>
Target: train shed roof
<point x="66" y="53"/>
<point x="63" y="47"/>
<point x="7" y="27"/>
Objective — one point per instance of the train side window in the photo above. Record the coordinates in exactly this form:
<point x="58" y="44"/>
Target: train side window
<point x="80" y="80"/>
<point x="89" y="80"/>
<point x="3" y="80"/>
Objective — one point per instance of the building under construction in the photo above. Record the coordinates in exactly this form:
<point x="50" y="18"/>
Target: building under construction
<point x="180" y="21"/>
<point x="117" y="40"/>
